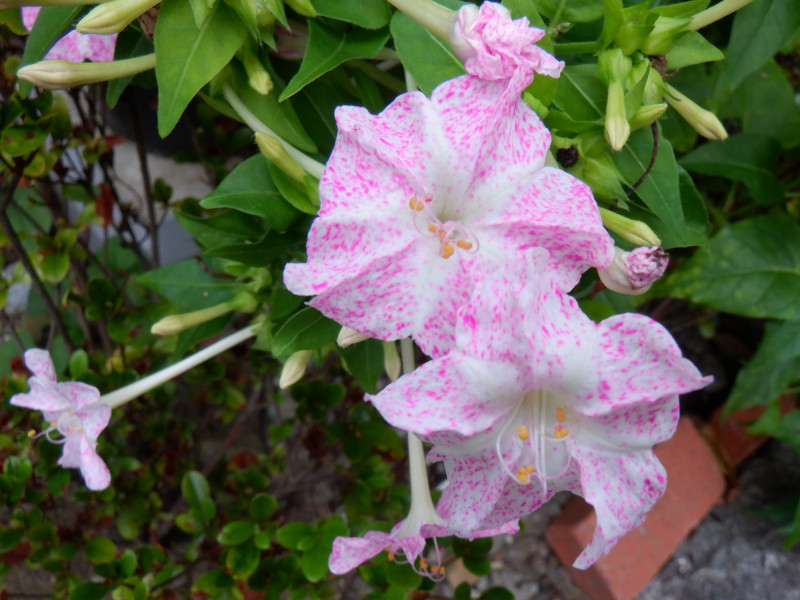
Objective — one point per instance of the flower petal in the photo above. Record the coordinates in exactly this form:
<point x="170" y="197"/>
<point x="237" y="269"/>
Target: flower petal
<point x="40" y="364"/>
<point x="78" y="394"/>
<point x="94" y="419"/>
<point x="552" y="209"/>
<point x="94" y="470"/>
<point x="639" y="362"/>
<point x="43" y="396"/>
<point x="622" y="488"/>
<point x="71" y="455"/>
<point x="349" y="552"/>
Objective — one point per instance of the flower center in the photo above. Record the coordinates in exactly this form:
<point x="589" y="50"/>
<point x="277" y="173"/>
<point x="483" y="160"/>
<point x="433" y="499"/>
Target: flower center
<point x="434" y="572"/>
<point x="66" y="424"/>
<point x="531" y="443"/>
<point x="452" y="235"/>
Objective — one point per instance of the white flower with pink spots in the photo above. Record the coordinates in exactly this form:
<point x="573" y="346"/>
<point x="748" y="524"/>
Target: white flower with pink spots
<point x="72" y="412"/>
<point x="75" y="46"/>
<point x="536" y="398"/>
<point x="421" y="201"/>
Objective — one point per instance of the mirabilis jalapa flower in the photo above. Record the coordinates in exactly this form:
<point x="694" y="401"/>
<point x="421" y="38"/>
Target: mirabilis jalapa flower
<point x="419" y="202"/>
<point x="72" y="410"/>
<point x="536" y="398"/>
<point x="74" y="46"/>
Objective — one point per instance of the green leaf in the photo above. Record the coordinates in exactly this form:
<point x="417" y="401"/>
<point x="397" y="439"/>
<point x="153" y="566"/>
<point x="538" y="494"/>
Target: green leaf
<point x="660" y="190"/>
<point x="190" y="523"/>
<point x="187" y="285"/>
<point x="745" y="157"/>
<point x="428" y="58"/>
<point x="236" y="532"/>
<point x="759" y="31"/>
<point x="214" y="583"/>
<point x="188" y="57"/>
<point x="581" y="94"/>
<point x="10" y="538"/>
<point x="314" y="563"/>
<point x="402" y="576"/>
<point x="370" y="14"/>
<point x="612" y="21"/>
<point x="290" y="535"/>
<point x="243" y="560"/>
<point x="89" y="591"/>
<point x="197" y="494"/>
<point x="51" y="24"/>
<point x="766" y="106"/>
<point x="308" y="329"/>
<point x="692" y="49"/>
<point x="365" y="361"/>
<point x="261" y="253"/>
<point x="751" y="268"/>
<point x="479" y="565"/>
<point x="575" y="11"/>
<point x="329" y="48"/>
<point x="249" y="188"/>
<point x="304" y="196"/>
<point x="263" y="506"/>
<point x="130" y="43"/>
<point x="100" y="550"/>
<point x="221" y="229"/>
<point x="783" y="427"/>
<point x="19" y="469"/>
<point x="497" y="593"/>
<point x="773" y="367"/>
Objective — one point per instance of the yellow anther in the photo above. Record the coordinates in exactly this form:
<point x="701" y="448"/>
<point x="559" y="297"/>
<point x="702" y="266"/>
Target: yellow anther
<point x="522" y="432"/>
<point x="433" y="228"/>
<point x="561" y="433"/>
<point x="53" y="424"/>
<point x="415" y="204"/>
<point x="464" y="244"/>
<point x="391" y="556"/>
<point x="31" y="433"/>
<point x="441" y="569"/>
<point x="530" y="469"/>
<point x="423" y="564"/>
<point x="442" y="233"/>
<point x="523" y="478"/>
<point x="560" y="414"/>
<point x="447" y="250"/>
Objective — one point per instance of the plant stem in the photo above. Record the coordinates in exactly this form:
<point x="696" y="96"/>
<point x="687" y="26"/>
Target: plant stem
<point x="129" y="392"/>
<point x="152" y="222"/>
<point x="310" y="165"/>
<point x="575" y="48"/>
<point x="431" y="15"/>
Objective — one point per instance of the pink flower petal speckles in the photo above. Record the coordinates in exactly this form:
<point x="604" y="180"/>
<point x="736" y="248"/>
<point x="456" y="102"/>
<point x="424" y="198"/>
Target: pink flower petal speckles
<point x="493" y="46"/>
<point x="72" y="411"/>
<point x="419" y="202"/>
<point x="536" y="398"/>
<point x="75" y="46"/>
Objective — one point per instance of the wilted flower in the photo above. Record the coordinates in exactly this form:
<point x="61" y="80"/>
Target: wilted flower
<point x="634" y="272"/>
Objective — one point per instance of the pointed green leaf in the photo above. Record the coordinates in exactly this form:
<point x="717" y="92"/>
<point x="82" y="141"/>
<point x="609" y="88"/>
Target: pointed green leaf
<point x="308" y="329"/>
<point x="188" y="57"/>
<point x="329" y="48"/>
<point x="369" y="14"/>
<point x="751" y="268"/>
<point x="187" y="285"/>
<point x="428" y="58"/>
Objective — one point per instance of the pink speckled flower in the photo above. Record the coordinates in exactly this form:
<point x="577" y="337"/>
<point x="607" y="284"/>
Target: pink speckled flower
<point x="74" y="46"/>
<point x="493" y="46"/>
<point x="536" y="398"/>
<point x="422" y="200"/>
<point x="72" y="411"/>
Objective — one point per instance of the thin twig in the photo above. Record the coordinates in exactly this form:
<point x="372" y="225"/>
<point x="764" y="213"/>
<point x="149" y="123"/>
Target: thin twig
<point x="6" y="320"/>
<point x="152" y="223"/>
<point x="649" y="168"/>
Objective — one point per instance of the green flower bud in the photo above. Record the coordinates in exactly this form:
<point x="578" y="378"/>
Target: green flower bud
<point x="60" y="74"/>
<point x="348" y="336"/>
<point x="613" y="65"/>
<point x="294" y="369"/>
<point x="703" y="121"/>
<point x="617" y="128"/>
<point x="114" y="15"/>
<point x="647" y="114"/>
<point x="635" y="232"/>
<point x="665" y="34"/>
<point x="274" y="152"/>
<point x="391" y="360"/>
<point x="257" y="75"/>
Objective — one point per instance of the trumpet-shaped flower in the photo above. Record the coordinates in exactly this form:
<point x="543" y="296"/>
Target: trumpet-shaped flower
<point x="72" y="411"/>
<point x="419" y="202"/>
<point x="75" y="46"/>
<point x="536" y="398"/>
<point x="493" y="46"/>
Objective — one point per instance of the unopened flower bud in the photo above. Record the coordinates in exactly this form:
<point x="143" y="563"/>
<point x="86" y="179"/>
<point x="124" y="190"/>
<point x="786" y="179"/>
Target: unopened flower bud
<point x="647" y="115"/>
<point x="632" y="231"/>
<point x="257" y="76"/>
<point x="666" y="32"/>
<point x="243" y="301"/>
<point x="617" y="128"/>
<point x="703" y="121"/>
<point x="114" y="15"/>
<point x="302" y="7"/>
<point x="60" y="74"/>
<point x="273" y="151"/>
<point x="633" y="273"/>
<point x="391" y="360"/>
<point x="294" y="369"/>
<point x="348" y="337"/>
<point x="291" y="44"/>
<point x="600" y="174"/>
<point x="434" y="17"/>
<point x="613" y="65"/>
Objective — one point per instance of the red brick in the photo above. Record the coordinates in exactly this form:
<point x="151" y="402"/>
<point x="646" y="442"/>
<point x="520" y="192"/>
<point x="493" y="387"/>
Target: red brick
<point x="694" y="485"/>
